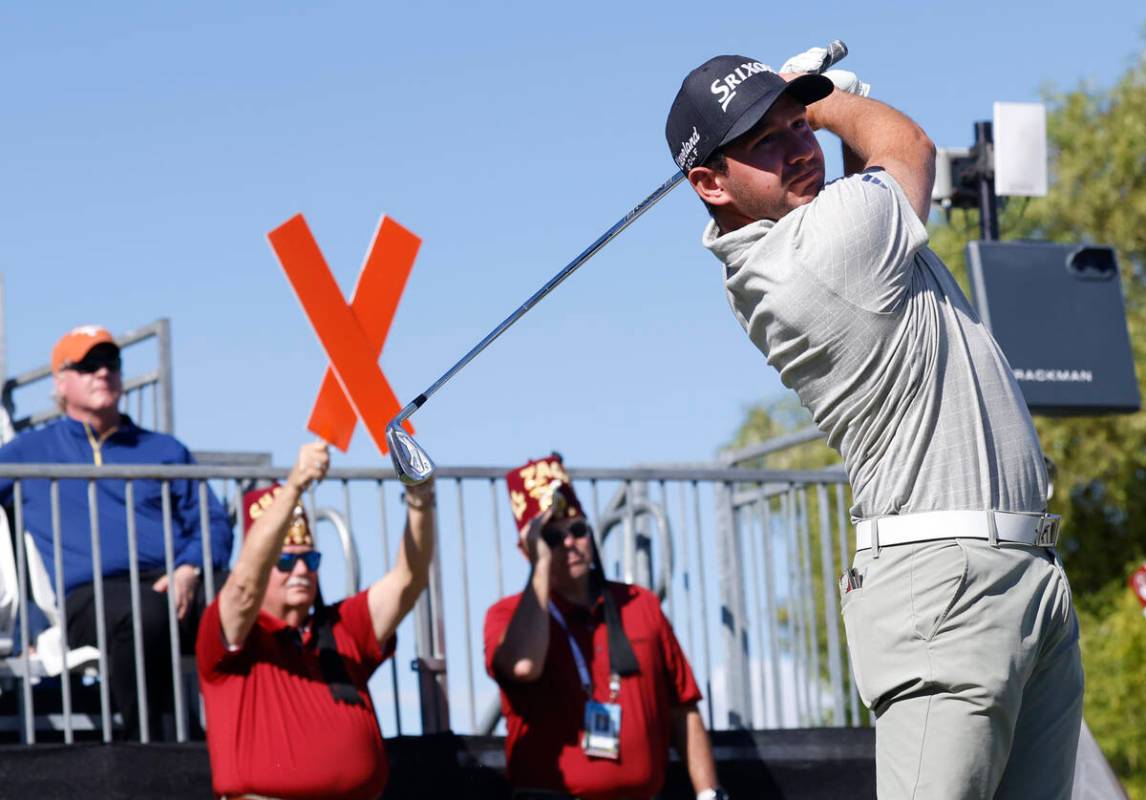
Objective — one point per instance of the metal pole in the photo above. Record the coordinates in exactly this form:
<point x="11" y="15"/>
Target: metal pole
<point x="172" y="617"/>
<point x="703" y="592"/>
<point x="465" y="587"/>
<point x="812" y="638"/>
<point x="386" y="567"/>
<point x="430" y="663"/>
<point x="101" y="620"/>
<point x="664" y="556"/>
<point x="795" y="606"/>
<point x="61" y="599"/>
<point x="496" y="537"/>
<point x="166" y="421"/>
<point x="831" y="605"/>
<point x="988" y="211"/>
<point x="853" y="695"/>
<point x="684" y="566"/>
<point x="760" y="614"/>
<point x="25" y="645"/>
<point x="136" y="621"/>
<point x="765" y="507"/>
<point x="629" y="568"/>
<point x="205" y="537"/>
<point x="733" y="611"/>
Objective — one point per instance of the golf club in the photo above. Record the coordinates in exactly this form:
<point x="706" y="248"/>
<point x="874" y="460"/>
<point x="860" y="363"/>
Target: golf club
<point x="411" y="462"/>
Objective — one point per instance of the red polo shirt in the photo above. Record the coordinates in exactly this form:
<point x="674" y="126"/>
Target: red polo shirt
<point x="545" y="717"/>
<point x="273" y="727"/>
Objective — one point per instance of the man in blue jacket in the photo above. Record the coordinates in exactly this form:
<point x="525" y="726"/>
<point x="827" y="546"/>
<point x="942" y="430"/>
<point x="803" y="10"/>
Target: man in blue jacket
<point x="86" y="366"/>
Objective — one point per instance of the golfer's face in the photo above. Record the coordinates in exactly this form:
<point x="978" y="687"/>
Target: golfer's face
<point x="777" y="166"/>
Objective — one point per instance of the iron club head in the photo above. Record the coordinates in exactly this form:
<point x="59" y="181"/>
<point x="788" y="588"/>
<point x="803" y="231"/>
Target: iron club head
<point x="410" y="460"/>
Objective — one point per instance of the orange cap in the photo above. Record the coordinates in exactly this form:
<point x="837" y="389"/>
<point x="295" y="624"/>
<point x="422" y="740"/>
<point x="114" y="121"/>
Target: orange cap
<point x="257" y="501"/>
<point x="76" y="344"/>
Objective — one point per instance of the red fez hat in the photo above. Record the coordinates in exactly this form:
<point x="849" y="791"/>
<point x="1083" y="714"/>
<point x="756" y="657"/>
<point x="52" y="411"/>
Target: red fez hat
<point x="535" y="486"/>
<point x="257" y="501"/>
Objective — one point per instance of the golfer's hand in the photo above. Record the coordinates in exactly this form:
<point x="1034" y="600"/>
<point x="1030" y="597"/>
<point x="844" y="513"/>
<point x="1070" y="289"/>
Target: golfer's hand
<point x="812" y="60"/>
<point x="186" y="580"/>
<point x="808" y="61"/>
<point x="312" y="463"/>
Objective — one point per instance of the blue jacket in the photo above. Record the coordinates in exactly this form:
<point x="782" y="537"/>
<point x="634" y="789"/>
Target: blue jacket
<point x="65" y="441"/>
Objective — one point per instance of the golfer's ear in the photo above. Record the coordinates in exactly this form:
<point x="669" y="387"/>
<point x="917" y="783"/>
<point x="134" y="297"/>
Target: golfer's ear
<point x="708" y="184"/>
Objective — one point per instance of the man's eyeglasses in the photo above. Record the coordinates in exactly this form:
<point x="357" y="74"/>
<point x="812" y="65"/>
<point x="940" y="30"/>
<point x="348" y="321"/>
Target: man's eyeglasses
<point x="311" y="558"/>
<point x="94" y="362"/>
<point x="554" y="535"/>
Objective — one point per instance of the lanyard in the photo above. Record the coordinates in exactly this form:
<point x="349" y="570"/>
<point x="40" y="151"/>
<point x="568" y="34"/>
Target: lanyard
<point x="578" y="656"/>
<point x="582" y="667"/>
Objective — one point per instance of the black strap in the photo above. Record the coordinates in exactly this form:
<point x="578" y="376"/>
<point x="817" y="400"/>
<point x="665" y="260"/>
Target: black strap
<point x="330" y="661"/>
<point x="622" y="660"/>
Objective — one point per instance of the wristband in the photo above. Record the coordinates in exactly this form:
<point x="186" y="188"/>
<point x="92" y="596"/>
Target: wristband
<point x="712" y="794"/>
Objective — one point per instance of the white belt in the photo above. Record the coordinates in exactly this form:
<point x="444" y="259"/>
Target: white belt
<point x="1039" y="530"/>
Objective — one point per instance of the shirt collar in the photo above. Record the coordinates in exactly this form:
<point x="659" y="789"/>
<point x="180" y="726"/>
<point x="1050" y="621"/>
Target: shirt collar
<point x="76" y="428"/>
<point x="276" y="625"/>
<point x="568" y="608"/>
<point x="732" y="248"/>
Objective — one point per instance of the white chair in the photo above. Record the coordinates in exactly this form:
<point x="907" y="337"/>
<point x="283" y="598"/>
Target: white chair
<point x="49" y="644"/>
<point x="9" y="588"/>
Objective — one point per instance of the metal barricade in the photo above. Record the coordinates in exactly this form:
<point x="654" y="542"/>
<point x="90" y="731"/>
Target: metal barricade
<point x="744" y="560"/>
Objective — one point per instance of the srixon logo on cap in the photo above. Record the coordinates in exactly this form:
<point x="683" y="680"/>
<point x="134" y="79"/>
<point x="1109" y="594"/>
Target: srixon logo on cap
<point x="725" y="88"/>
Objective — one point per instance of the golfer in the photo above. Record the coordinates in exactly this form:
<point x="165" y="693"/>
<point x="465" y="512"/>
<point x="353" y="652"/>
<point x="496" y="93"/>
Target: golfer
<point x="964" y="641"/>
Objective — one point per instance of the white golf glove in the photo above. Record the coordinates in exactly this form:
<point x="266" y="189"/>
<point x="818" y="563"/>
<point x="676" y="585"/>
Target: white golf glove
<point x="812" y="59"/>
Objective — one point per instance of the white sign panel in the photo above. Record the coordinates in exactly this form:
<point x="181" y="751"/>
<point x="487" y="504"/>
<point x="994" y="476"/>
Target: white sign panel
<point x="1020" y="133"/>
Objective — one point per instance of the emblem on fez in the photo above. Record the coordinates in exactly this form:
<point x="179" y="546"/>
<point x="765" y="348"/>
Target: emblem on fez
<point x="517" y="504"/>
<point x="263" y="503"/>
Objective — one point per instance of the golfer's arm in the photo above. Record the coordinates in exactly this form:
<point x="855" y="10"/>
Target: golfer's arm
<point x="691" y="741"/>
<point x="391" y="597"/>
<point x="879" y="136"/>
<point x="242" y="595"/>
<point x="521" y="654"/>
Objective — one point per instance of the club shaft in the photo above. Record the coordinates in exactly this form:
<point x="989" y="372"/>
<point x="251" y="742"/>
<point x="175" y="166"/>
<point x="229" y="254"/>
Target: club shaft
<point x="552" y="284"/>
<point x="836" y="51"/>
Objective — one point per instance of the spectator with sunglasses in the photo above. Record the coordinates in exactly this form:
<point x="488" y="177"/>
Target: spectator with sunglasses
<point x="283" y="675"/>
<point x="86" y="365"/>
<point x="594" y="684"/>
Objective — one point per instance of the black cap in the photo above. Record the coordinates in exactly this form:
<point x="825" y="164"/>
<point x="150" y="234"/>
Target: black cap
<point x="722" y="99"/>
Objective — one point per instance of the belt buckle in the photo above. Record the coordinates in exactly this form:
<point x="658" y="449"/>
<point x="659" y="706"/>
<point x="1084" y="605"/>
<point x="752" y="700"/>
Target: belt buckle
<point x="1046" y="530"/>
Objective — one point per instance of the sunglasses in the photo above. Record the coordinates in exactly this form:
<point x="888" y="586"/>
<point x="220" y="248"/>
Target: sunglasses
<point x="90" y="364"/>
<point x="554" y="535"/>
<point x="287" y="561"/>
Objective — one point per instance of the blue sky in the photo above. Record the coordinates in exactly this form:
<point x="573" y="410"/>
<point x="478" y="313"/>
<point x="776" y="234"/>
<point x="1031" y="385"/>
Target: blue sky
<point x="146" y="149"/>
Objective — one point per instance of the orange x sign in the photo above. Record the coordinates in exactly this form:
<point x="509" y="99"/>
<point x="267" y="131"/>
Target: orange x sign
<point x="354" y="386"/>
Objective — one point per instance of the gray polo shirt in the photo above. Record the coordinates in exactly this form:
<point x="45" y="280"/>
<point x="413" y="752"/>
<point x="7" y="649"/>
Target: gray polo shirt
<point x="875" y="336"/>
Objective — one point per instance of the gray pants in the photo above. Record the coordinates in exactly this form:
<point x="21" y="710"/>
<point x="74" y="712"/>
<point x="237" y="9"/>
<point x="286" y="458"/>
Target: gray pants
<point x="968" y="657"/>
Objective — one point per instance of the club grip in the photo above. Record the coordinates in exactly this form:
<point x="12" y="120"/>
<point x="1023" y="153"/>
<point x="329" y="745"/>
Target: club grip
<point x="837" y="51"/>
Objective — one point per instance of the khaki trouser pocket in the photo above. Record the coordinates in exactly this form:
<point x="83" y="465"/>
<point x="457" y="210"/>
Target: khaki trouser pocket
<point x="938" y="576"/>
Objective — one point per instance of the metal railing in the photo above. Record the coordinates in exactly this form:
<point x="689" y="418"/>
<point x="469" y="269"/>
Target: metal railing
<point x="744" y="560"/>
